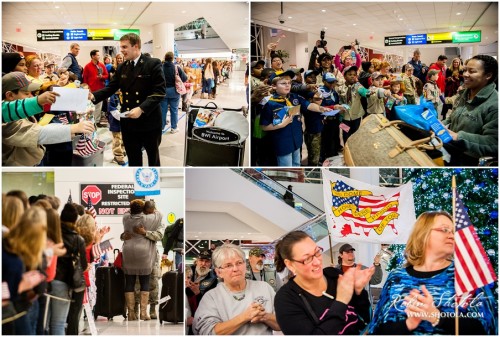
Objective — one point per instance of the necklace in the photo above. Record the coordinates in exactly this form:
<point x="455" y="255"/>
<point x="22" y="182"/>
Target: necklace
<point x="239" y="298"/>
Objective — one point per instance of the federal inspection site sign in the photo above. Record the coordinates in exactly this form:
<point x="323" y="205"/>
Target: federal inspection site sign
<point x="110" y="199"/>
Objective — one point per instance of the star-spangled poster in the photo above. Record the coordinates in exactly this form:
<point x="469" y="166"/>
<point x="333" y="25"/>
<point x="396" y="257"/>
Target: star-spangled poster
<point x="360" y="212"/>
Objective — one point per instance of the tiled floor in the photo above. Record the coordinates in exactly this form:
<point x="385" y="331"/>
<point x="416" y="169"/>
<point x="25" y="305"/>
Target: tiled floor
<point x="231" y="94"/>
<point x="119" y="326"/>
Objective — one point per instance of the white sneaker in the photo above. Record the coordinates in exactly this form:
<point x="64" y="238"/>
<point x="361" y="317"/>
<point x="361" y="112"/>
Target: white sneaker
<point x="174" y="130"/>
<point x="165" y="129"/>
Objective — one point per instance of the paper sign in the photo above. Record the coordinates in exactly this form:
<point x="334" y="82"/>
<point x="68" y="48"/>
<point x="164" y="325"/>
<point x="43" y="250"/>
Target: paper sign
<point x="164" y="299"/>
<point x="294" y="110"/>
<point x="116" y="114"/>
<point x="330" y="113"/>
<point x="45" y="119"/>
<point x="123" y="115"/>
<point x="70" y="99"/>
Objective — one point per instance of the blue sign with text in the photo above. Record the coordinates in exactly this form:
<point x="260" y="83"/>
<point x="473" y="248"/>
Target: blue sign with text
<point x="416" y="39"/>
<point x="75" y="34"/>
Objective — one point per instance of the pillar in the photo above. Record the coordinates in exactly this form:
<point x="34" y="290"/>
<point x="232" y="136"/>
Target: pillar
<point x="163" y="39"/>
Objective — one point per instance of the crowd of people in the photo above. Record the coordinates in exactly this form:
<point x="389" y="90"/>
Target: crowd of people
<point x="230" y="295"/>
<point x="34" y="135"/>
<point x="50" y="259"/>
<point x="336" y="92"/>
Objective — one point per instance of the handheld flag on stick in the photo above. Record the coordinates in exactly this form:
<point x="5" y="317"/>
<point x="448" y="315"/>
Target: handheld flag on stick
<point x="473" y="268"/>
<point x="90" y="208"/>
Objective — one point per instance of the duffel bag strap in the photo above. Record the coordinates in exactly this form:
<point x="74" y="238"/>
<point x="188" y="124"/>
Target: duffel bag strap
<point x="421" y="144"/>
<point x="385" y="124"/>
<point x="428" y="146"/>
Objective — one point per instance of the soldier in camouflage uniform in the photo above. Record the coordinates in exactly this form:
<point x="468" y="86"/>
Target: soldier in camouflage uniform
<point x="256" y="270"/>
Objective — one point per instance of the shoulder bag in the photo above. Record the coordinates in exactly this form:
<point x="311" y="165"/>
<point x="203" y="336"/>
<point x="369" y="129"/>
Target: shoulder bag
<point x="179" y="85"/>
<point x="78" y="278"/>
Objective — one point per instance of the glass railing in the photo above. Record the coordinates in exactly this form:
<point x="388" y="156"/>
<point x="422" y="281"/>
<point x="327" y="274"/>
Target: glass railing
<point x="316" y="228"/>
<point x="277" y="190"/>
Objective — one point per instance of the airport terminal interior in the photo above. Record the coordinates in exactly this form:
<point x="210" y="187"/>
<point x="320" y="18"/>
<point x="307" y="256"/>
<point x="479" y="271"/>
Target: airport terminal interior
<point x="249" y="168"/>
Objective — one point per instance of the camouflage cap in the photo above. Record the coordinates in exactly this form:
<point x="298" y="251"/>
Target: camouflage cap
<point x="256" y="252"/>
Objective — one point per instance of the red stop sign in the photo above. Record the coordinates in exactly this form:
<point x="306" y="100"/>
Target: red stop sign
<point x="93" y="192"/>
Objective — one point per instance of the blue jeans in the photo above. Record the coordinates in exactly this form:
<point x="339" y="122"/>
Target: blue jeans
<point x="172" y="104"/>
<point x="207" y="86"/>
<point x="291" y="159"/>
<point x="59" y="309"/>
<point x="23" y="325"/>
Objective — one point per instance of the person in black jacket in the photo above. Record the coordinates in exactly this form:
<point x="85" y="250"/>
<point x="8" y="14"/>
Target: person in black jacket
<point x="142" y="84"/>
<point x="318" y="301"/>
<point x="62" y="285"/>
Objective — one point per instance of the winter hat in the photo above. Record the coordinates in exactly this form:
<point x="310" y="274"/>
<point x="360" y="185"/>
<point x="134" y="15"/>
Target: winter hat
<point x="10" y="61"/>
<point x="366" y="65"/>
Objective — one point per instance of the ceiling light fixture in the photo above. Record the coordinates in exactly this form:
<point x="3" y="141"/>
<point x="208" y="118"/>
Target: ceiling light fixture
<point x="323" y="11"/>
<point x="56" y="7"/>
<point x="354" y="24"/>
<point x="183" y="12"/>
<point x="459" y="13"/>
<point x="121" y="8"/>
<point x="290" y="17"/>
<point x="400" y="19"/>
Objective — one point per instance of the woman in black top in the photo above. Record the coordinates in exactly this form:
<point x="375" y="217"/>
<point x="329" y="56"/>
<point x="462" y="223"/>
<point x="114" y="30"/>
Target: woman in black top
<point x="318" y="301"/>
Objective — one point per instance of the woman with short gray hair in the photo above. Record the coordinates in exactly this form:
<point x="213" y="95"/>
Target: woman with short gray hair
<point x="237" y="306"/>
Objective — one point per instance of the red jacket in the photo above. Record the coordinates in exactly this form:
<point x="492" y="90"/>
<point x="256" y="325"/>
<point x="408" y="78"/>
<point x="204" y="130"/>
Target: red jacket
<point x="90" y="74"/>
<point x="441" y="81"/>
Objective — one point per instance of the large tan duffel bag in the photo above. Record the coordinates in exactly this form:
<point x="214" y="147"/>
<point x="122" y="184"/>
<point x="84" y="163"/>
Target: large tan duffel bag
<point x="380" y="142"/>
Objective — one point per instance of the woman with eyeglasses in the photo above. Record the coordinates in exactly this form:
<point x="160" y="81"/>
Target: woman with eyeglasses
<point x="35" y="68"/>
<point x="420" y="297"/>
<point x="319" y="301"/>
<point x="237" y="306"/>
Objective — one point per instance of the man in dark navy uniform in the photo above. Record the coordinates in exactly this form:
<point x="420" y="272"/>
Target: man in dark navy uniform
<point x="142" y="84"/>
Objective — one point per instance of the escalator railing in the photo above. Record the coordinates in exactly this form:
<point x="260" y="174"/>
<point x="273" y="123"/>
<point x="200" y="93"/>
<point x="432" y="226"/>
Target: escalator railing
<point x="276" y="189"/>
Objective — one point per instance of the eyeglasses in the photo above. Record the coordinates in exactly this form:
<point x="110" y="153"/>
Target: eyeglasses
<point x="444" y="230"/>
<point x="231" y="266"/>
<point x="310" y="258"/>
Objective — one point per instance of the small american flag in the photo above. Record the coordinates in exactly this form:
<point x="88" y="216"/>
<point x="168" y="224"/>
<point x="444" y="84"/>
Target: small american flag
<point x="86" y="147"/>
<point x="473" y="268"/>
<point x="101" y="248"/>
<point x="90" y="208"/>
<point x="370" y="209"/>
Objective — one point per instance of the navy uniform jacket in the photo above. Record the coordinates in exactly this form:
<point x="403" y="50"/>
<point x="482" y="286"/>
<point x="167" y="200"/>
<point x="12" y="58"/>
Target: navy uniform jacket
<point x="141" y="86"/>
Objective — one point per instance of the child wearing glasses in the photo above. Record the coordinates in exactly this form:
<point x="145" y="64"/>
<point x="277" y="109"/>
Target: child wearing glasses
<point x="282" y="117"/>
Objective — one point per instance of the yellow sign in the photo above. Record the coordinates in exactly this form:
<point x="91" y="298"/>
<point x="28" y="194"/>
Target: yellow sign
<point x="100" y="34"/>
<point x="171" y="218"/>
<point x="440" y="37"/>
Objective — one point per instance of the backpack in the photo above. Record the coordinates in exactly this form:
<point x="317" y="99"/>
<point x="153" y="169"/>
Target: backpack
<point x="172" y="234"/>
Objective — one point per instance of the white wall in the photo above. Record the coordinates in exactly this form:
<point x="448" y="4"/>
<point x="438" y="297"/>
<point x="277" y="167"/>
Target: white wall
<point x="222" y="190"/>
<point x="170" y="199"/>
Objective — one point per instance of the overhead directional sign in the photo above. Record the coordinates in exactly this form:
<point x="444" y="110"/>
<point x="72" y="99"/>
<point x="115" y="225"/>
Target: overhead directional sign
<point x="50" y="35"/>
<point x="395" y="40"/>
<point x="416" y="39"/>
<point x="433" y="38"/>
<point x="467" y="37"/>
<point x="75" y="34"/>
<point x="82" y="34"/>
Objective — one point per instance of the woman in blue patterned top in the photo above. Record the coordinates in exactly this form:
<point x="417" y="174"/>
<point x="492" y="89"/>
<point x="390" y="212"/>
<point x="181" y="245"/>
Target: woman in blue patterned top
<point x="420" y="298"/>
